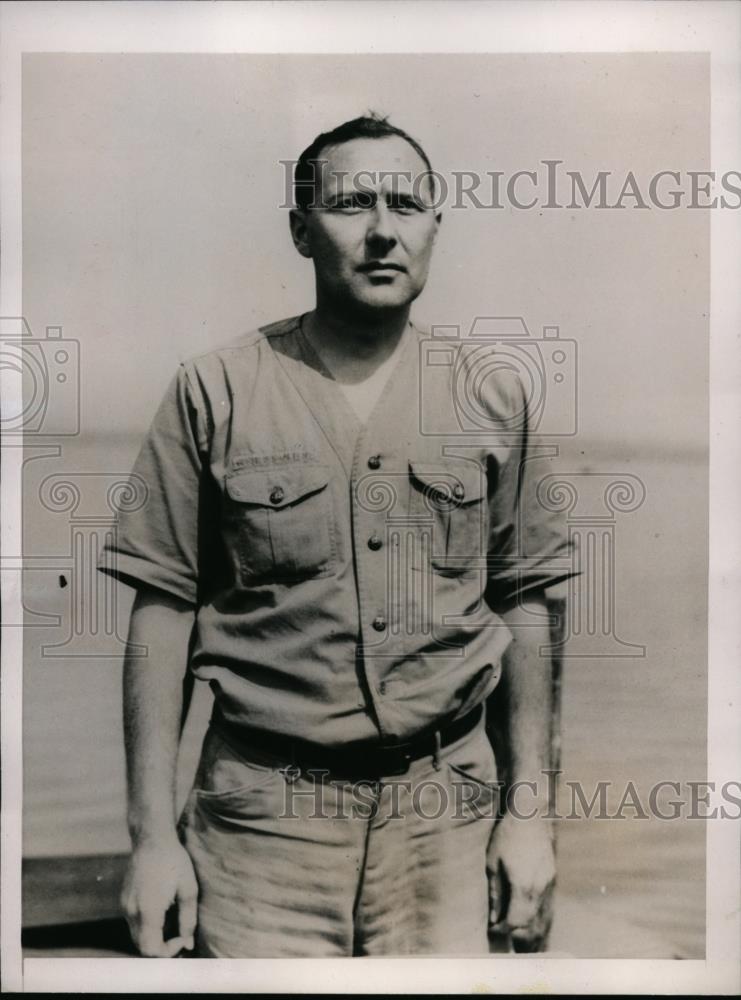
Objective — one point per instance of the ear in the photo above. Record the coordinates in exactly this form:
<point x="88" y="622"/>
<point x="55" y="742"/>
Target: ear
<point x="438" y="220"/>
<point x="298" y="219"/>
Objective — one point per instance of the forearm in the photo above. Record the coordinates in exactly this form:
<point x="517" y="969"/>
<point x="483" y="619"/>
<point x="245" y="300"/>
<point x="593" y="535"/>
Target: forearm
<point x="526" y="687"/>
<point x="152" y="704"/>
<point x="520" y="858"/>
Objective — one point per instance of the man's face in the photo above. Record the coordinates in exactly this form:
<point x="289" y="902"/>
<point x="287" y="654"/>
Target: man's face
<point x="372" y="232"/>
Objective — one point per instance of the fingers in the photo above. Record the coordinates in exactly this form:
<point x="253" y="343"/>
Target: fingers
<point x="533" y="936"/>
<point x="527" y="919"/>
<point x="522" y="874"/>
<point x="156" y="878"/>
<point x="148" y="935"/>
<point x="187" y="916"/>
<point x="147" y="928"/>
<point x="145" y="922"/>
<point x="497" y="903"/>
<point x="523" y="907"/>
<point x="150" y="941"/>
<point x="176" y="945"/>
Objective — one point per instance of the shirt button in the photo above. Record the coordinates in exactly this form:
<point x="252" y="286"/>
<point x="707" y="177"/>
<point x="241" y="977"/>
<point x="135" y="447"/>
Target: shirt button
<point x="375" y="543"/>
<point x="382" y="687"/>
<point x="458" y="492"/>
<point x="276" y="495"/>
<point x="374" y="462"/>
<point x="379" y="623"/>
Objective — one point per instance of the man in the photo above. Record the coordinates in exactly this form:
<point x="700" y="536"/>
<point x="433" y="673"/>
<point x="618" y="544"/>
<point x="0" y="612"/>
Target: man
<point x="352" y="587"/>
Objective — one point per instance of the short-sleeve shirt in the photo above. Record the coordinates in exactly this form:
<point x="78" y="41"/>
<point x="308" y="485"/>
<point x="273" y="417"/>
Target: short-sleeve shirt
<point x="346" y="577"/>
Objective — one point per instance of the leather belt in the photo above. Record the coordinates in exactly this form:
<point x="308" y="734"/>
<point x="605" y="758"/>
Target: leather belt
<point x="356" y="761"/>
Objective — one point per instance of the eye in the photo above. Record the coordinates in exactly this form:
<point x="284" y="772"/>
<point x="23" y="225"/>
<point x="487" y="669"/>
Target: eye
<point x="404" y="204"/>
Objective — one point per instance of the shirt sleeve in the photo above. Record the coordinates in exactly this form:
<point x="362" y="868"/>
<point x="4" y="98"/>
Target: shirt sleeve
<point x="530" y="547"/>
<point x="156" y="544"/>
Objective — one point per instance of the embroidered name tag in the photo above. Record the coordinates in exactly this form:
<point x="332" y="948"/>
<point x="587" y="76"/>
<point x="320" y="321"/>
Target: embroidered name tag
<point x="271" y="461"/>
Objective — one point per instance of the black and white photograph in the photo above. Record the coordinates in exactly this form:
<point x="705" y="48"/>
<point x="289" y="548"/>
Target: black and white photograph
<point x="370" y="473"/>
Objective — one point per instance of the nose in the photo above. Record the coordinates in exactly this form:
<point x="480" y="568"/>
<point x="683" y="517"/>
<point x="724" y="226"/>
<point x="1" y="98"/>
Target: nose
<point x="381" y="231"/>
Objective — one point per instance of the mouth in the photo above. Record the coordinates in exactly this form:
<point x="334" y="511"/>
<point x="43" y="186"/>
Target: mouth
<point x="380" y="266"/>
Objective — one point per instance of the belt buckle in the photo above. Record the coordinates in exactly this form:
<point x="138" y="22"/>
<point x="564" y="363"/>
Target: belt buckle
<point x="394" y="761"/>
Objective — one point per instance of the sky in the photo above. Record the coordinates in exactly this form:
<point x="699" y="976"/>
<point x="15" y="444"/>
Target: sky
<point x="153" y="230"/>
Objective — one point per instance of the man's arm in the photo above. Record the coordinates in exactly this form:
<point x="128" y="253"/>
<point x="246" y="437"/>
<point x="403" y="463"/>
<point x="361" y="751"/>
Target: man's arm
<point x="521" y="860"/>
<point x="160" y="871"/>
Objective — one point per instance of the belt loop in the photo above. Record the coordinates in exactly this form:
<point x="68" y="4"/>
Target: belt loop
<point x="436" y="755"/>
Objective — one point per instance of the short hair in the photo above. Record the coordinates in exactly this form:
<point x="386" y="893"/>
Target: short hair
<point x="370" y="126"/>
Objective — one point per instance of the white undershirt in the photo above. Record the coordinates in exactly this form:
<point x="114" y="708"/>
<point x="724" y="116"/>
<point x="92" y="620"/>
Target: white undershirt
<point x="363" y="396"/>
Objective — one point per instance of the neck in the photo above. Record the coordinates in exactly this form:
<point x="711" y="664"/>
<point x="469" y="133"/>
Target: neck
<point x="370" y="336"/>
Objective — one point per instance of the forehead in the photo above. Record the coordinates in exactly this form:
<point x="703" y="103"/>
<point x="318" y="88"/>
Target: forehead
<point x="391" y="154"/>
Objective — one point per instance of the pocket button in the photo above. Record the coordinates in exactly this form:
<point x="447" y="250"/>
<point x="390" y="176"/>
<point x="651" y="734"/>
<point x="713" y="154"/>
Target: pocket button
<point x="277" y="495"/>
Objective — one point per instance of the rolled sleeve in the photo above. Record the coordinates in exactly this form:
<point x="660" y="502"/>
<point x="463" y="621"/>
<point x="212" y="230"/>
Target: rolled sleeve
<point x="156" y="545"/>
<point x="530" y="546"/>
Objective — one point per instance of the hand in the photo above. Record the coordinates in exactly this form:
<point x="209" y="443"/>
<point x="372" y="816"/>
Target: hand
<point x="158" y="876"/>
<point x="522" y="874"/>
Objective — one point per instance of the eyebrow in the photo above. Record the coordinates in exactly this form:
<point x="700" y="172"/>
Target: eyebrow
<point x="406" y="197"/>
<point x="363" y="194"/>
<point x="364" y="197"/>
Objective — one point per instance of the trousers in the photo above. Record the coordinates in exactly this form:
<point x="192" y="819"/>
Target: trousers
<point x="293" y="863"/>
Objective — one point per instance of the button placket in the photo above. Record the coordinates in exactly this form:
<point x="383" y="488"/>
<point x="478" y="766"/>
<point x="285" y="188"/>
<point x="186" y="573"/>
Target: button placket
<point x="368" y="526"/>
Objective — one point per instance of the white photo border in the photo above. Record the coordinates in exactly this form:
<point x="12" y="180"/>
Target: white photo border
<point x="442" y="26"/>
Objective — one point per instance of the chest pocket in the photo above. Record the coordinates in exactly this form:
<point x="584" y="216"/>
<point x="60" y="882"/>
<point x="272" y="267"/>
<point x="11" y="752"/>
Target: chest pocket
<point x="447" y="501"/>
<point x="279" y="522"/>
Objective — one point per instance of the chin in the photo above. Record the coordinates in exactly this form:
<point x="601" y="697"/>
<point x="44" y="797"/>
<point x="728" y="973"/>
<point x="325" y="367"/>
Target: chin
<point x="386" y="298"/>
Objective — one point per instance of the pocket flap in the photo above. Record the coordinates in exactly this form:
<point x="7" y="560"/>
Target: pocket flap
<point x="276" y="487"/>
<point x="451" y="481"/>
